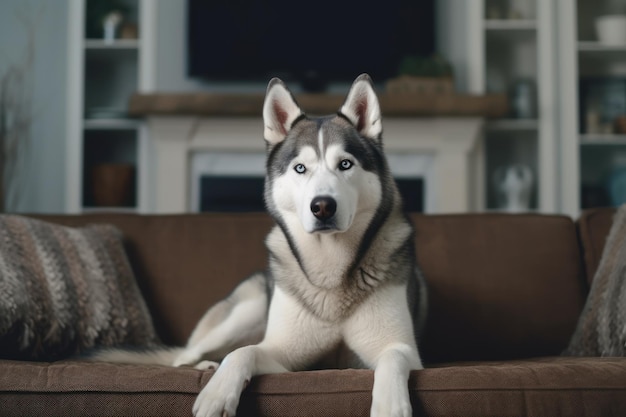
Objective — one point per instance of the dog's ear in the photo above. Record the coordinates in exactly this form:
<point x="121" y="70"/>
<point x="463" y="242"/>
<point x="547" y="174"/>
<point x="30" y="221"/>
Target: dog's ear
<point x="362" y="108"/>
<point x="280" y="111"/>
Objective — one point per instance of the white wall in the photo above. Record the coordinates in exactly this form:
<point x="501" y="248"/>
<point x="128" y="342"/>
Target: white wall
<point x="171" y="50"/>
<point x="42" y="182"/>
<point x="457" y="42"/>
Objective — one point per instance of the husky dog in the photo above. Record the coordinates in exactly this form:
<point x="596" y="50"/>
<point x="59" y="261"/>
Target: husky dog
<point x="342" y="288"/>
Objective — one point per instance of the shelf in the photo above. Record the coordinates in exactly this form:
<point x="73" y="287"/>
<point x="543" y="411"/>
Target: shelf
<point x="111" y="124"/>
<point x="593" y="46"/>
<point x="99" y="44"/>
<point x="104" y="74"/>
<point x="513" y="125"/>
<point x="93" y="209"/>
<point x="495" y="210"/>
<point x="510" y="24"/>
<point x="602" y="139"/>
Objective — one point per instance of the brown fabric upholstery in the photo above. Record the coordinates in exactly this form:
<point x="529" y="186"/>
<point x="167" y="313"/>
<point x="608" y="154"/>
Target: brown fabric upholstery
<point x="540" y="387"/>
<point x="186" y="263"/>
<point x="500" y="286"/>
<point x="594" y="226"/>
<point x="514" y="281"/>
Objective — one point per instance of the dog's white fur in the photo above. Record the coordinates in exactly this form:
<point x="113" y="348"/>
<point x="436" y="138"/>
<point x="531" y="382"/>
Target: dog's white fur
<point x="328" y="293"/>
<point x="379" y="329"/>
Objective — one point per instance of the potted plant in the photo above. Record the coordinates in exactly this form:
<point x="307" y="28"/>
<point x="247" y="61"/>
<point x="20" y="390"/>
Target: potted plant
<point x="422" y="75"/>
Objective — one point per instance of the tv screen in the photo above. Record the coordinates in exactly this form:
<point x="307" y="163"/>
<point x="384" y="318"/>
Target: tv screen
<point x="315" y="43"/>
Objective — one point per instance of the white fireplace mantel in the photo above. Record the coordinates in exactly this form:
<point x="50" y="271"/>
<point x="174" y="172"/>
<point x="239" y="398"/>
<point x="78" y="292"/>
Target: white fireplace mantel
<point x="454" y="143"/>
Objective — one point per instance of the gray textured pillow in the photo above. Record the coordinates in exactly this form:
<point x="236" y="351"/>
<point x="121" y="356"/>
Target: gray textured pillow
<point x="601" y="329"/>
<point x="64" y="290"/>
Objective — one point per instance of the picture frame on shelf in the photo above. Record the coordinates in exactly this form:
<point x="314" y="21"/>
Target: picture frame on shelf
<point x="602" y="104"/>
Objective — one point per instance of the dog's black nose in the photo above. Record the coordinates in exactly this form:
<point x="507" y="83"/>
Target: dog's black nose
<point x="323" y="207"/>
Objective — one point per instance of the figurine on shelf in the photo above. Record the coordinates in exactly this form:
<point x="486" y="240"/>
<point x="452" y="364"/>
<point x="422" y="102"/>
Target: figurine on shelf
<point x="110" y="23"/>
<point x="523" y="99"/>
<point x="513" y="185"/>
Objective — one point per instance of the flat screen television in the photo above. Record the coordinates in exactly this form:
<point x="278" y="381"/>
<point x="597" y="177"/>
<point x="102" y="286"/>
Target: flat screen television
<point x="315" y="43"/>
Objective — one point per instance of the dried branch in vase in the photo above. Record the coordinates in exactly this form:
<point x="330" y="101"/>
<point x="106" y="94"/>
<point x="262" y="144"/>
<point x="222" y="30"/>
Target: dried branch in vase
<point x="16" y="97"/>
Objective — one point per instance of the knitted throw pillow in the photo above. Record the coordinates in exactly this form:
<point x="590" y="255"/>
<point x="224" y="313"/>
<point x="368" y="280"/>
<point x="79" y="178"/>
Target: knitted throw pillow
<point x="601" y="329"/>
<point x="64" y="290"/>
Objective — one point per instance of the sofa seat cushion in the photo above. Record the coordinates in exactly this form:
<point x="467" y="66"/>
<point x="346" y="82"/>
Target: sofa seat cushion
<point x="538" y="387"/>
<point x="71" y="388"/>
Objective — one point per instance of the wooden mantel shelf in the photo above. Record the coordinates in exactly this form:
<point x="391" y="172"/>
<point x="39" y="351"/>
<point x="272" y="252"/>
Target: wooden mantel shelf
<point x="392" y="105"/>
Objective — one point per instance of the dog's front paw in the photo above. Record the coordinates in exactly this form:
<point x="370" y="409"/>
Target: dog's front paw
<point x="391" y="410"/>
<point x="220" y="397"/>
<point x="213" y="403"/>
<point x="391" y="403"/>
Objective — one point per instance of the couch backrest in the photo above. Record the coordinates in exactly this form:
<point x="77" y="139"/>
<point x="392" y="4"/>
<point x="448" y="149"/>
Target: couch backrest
<point x="501" y="286"/>
<point x="186" y="263"/>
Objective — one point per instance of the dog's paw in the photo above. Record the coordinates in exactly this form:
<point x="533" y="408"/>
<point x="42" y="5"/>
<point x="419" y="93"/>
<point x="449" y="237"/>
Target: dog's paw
<point x="212" y="403"/>
<point x="206" y="365"/>
<point x="391" y="403"/>
<point x="187" y="358"/>
<point x="220" y="397"/>
<point x="391" y="410"/>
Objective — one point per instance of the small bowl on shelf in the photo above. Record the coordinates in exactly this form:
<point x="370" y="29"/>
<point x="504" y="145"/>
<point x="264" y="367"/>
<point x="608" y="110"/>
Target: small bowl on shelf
<point x="611" y="29"/>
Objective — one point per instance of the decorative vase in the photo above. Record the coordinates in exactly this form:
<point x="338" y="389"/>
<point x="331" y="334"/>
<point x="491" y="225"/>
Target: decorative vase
<point x="112" y="185"/>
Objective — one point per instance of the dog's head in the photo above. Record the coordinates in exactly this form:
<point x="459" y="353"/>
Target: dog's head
<point x="324" y="172"/>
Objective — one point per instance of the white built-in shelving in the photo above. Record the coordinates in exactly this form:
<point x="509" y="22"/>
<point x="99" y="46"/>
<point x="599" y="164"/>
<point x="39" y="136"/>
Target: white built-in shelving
<point x="510" y="24"/>
<point x="509" y="49"/>
<point x="574" y="152"/>
<point x="102" y="76"/>
<point x="593" y="147"/>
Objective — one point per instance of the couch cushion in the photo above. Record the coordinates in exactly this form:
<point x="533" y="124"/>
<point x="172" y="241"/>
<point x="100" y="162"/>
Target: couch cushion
<point x="64" y="290"/>
<point x="185" y="263"/>
<point x="500" y="286"/>
<point x="92" y="389"/>
<point x="593" y="226"/>
<point x="545" y="387"/>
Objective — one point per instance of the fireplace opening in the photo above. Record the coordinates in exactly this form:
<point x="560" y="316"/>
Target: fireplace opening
<point x="231" y="193"/>
<point x="412" y="192"/>
<point x="245" y="193"/>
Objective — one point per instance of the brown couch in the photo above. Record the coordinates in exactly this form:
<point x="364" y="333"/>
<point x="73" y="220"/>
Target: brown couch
<point x="505" y="295"/>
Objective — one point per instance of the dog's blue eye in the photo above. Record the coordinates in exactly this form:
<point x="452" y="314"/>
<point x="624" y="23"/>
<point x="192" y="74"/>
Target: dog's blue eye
<point x="300" y="169"/>
<point x="345" y="164"/>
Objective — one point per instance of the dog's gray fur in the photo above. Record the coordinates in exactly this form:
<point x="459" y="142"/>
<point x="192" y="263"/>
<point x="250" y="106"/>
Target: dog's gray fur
<point x="342" y="287"/>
